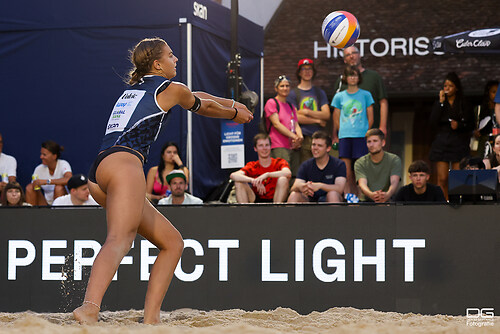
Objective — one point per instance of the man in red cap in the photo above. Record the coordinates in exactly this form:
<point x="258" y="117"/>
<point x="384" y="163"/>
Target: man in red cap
<point x="312" y="105"/>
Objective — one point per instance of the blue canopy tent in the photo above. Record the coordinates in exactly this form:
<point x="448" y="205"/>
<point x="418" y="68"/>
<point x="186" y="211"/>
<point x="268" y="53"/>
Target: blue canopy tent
<point x="63" y="66"/>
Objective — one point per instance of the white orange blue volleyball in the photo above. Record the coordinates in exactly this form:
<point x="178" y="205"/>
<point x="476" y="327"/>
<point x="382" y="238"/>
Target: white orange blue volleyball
<point x="340" y="29"/>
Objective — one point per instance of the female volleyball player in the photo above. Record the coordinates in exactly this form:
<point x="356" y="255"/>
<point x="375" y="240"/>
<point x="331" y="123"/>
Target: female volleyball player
<point x="117" y="182"/>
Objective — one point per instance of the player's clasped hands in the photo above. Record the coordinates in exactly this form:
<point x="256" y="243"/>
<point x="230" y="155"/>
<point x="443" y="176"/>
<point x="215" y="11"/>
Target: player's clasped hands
<point x="244" y="115"/>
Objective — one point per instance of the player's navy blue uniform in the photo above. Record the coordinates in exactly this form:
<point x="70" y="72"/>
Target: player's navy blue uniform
<point x="135" y="121"/>
<point x="136" y="118"/>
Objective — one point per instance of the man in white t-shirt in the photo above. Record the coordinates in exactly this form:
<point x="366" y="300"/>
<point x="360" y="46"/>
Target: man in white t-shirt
<point x="8" y="166"/>
<point x="176" y="179"/>
<point x="79" y="193"/>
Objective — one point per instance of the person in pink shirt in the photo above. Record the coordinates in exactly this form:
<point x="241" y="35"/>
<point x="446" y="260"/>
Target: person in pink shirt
<point x="156" y="183"/>
<point x="282" y="122"/>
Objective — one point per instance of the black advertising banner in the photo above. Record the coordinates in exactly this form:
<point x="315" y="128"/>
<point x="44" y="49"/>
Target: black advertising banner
<point x="425" y="259"/>
<point x="471" y="41"/>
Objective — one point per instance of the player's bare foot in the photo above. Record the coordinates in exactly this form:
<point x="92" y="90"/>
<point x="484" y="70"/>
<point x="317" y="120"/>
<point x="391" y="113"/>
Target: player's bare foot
<point x="152" y="320"/>
<point x="88" y="313"/>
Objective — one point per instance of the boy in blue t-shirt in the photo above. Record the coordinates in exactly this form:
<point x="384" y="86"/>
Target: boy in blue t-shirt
<point x="352" y="117"/>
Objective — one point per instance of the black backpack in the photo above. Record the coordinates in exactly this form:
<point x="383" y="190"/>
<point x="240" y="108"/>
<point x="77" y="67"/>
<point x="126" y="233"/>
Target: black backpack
<point x="263" y="127"/>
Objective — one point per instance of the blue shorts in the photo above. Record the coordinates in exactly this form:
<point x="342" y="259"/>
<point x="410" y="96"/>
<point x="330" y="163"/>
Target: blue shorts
<point x="352" y="148"/>
<point x="320" y="199"/>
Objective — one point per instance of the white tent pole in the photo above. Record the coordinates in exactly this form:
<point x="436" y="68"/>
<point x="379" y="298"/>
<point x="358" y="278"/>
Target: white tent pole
<point x="261" y="85"/>
<point x="189" y="63"/>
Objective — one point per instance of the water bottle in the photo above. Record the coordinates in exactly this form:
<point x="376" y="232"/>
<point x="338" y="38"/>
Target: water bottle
<point x="351" y="198"/>
<point x="292" y="128"/>
<point x="33" y="178"/>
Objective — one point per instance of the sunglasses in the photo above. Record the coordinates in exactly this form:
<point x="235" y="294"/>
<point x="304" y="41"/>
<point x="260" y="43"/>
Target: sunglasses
<point x="279" y="80"/>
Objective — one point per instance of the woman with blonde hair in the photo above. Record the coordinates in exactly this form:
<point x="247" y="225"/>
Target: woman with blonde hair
<point x="117" y="182"/>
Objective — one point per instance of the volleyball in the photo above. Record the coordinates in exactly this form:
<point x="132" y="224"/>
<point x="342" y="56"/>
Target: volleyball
<point x="340" y="29"/>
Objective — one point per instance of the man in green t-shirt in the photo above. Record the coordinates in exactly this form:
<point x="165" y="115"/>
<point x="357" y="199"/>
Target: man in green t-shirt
<point x="371" y="82"/>
<point x="378" y="173"/>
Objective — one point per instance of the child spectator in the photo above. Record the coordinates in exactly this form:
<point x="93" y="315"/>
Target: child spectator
<point x="13" y="195"/>
<point x="352" y="116"/>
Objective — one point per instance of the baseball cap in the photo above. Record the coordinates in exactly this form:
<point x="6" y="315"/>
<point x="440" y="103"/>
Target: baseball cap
<point x="175" y="173"/>
<point x="305" y="61"/>
<point x="76" y="181"/>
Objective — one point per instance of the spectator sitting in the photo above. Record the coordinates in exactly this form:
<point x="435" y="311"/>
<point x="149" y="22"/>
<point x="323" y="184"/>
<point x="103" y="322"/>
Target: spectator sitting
<point x="378" y="173"/>
<point x="13" y="195"/>
<point x="419" y="190"/>
<point x="51" y="176"/>
<point x="493" y="159"/>
<point x="156" y="183"/>
<point x="8" y="165"/>
<point x="471" y="163"/>
<point x="321" y="178"/>
<point x="79" y="193"/>
<point x="268" y="176"/>
<point x="176" y="179"/>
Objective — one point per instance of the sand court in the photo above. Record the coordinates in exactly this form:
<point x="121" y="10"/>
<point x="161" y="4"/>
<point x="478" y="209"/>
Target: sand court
<point x="280" y="320"/>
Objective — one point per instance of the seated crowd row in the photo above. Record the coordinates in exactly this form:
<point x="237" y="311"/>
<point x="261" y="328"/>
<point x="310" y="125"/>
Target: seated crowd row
<point x="53" y="183"/>
<point x="374" y="177"/>
<point x="324" y="178"/>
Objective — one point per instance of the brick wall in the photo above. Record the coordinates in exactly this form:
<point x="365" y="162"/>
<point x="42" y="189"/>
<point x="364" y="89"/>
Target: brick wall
<point x="297" y="24"/>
